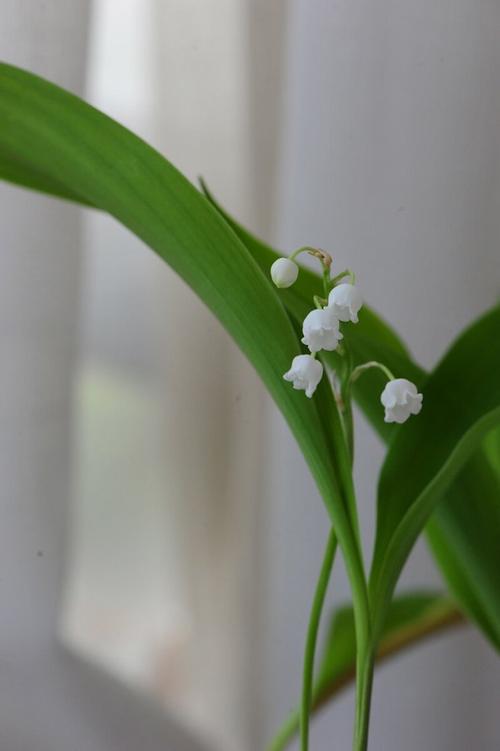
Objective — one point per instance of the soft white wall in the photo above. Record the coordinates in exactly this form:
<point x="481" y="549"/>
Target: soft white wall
<point x="391" y="160"/>
<point x="39" y="285"/>
<point x="49" y="700"/>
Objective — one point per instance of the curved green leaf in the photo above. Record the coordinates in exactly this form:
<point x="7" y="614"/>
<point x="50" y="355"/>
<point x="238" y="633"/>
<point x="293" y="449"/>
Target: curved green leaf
<point x="15" y="171"/>
<point x="463" y="536"/>
<point x="462" y="404"/>
<point x="412" y="617"/>
<point x="50" y="139"/>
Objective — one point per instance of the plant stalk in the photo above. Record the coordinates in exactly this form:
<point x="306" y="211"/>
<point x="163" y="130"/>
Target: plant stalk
<point x="364" y="685"/>
<point x="312" y="637"/>
<point x="361" y="603"/>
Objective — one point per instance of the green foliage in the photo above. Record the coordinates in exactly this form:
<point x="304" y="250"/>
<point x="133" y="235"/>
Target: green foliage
<point x="462" y="398"/>
<point x="464" y="530"/>
<point x="49" y="137"/>
<point x="51" y="141"/>
<point x="411" y="617"/>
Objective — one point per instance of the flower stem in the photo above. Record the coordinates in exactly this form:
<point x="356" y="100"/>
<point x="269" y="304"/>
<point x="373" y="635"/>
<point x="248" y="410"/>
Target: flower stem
<point x="323" y="257"/>
<point x="304" y="249"/>
<point x="341" y="276"/>
<point x="361" y="602"/>
<point x="312" y="636"/>
<point x="366" y="366"/>
<point x="319" y="302"/>
<point x="363" y="699"/>
<point x="346" y="380"/>
<point x="326" y="280"/>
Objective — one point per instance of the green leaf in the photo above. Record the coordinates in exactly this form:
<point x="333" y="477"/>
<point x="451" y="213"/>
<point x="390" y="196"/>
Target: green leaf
<point x="15" y="171"/>
<point x="464" y="529"/>
<point x="470" y="518"/>
<point x="52" y="140"/>
<point x="492" y="449"/>
<point x="50" y="137"/>
<point x="412" y="617"/>
<point x="462" y="404"/>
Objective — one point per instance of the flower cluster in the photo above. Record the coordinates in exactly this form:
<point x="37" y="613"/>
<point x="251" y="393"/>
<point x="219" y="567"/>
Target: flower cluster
<point x="321" y="331"/>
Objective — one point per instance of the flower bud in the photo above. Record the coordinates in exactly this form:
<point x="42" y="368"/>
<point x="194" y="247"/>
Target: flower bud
<point x="345" y="301"/>
<point x="400" y="399"/>
<point x="284" y="272"/>
<point x="305" y="374"/>
<point x="321" y="330"/>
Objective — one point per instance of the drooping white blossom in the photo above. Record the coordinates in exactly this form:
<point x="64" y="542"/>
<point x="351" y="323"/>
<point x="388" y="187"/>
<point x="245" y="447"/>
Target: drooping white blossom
<point x="345" y="301"/>
<point x="321" y="330"/>
<point x="284" y="272"/>
<point x="400" y="399"/>
<point x="305" y="373"/>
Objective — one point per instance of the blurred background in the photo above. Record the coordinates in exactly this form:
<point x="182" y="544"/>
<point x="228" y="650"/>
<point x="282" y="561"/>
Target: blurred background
<point x="161" y="535"/>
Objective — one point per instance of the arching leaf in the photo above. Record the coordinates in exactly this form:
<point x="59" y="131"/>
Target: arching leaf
<point x="52" y="140"/>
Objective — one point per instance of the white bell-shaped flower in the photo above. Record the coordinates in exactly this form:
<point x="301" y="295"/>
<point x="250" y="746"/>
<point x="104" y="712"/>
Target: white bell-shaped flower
<point x="400" y="399"/>
<point x="345" y="301"/>
<point x="305" y="374"/>
<point x="284" y="272"/>
<point x="321" y="330"/>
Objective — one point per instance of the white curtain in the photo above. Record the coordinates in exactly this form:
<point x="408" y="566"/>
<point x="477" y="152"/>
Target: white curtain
<point x="49" y="699"/>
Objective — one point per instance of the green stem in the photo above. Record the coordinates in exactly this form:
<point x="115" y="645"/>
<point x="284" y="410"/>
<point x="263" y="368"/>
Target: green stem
<point x="347" y="526"/>
<point x="366" y="366"/>
<point x="326" y="281"/>
<point x="362" y="622"/>
<point x="346" y="393"/>
<point x="319" y="302"/>
<point x="363" y="698"/>
<point x="341" y="276"/>
<point x="362" y="612"/>
<point x="361" y="601"/>
<point x="312" y="636"/>
<point x="324" y="258"/>
<point x="303" y="249"/>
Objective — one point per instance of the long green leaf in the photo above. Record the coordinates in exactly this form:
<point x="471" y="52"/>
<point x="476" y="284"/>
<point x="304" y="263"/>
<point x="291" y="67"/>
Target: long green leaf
<point x="463" y="531"/>
<point x="15" y="171"/>
<point x="412" y="617"/>
<point x="462" y="404"/>
<point x="470" y="562"/>
<point x="52" y="140"/>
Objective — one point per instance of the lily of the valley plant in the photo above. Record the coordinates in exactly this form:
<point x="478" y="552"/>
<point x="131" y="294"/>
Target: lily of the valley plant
<point x="441" y="473"/>
<point x="321" y="330"/>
